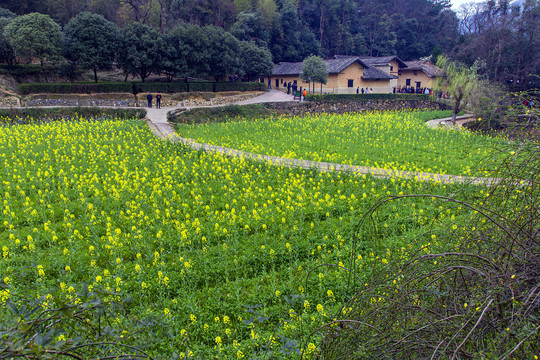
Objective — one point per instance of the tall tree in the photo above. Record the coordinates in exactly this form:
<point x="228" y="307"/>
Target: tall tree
<point x="187" y="51"/>
<point x="176" y="51"/>
<point x="6" y="50"/>
<point x="140" y="52"/>
<point x="249" y="27"/>
<point x="91" y="41"/>
<point x="223" y="53"/>
<point x="35" y="36"/>
<point x="5" y="13"/>
<point x="255" y="61"/>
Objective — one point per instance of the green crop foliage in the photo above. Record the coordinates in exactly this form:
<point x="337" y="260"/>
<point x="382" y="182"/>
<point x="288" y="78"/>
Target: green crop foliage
<point x="217" y="248"/>
<point x="389" y="140"/>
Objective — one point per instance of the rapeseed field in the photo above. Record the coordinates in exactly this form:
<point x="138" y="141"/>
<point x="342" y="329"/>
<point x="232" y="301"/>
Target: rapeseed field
<point x="218" y="249"/>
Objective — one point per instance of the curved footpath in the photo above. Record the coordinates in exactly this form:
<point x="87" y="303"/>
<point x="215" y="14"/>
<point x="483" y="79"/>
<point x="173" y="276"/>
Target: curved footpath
<point x="158" y="123"/>
<point x="157" y="120"/>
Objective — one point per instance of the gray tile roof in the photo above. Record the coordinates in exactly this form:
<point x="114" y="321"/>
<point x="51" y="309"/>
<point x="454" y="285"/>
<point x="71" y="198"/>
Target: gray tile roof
<point x="335" y="66"/>
<point x="340" y="63"/>
<point x="373" y="73"/>
<point x="426" y="66"/>
<point x="375" y="60"/>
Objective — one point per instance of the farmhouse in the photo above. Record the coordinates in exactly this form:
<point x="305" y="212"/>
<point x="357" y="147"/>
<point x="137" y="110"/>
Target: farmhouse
<point x="418" y="74"/>
<point x="346" y="74"/>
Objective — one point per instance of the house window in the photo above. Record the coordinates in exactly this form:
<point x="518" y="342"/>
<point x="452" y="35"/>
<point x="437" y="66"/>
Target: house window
<point x="415" y="72"/>
<point x="408" y="82"/>
<point x="277" y="83"/>
<point x="391" y="68"/>
<point x="350" y="83"/>
<point x="418" y="84"/>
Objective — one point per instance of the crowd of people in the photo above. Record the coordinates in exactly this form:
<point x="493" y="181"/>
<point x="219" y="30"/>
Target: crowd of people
<point x="427" y="91"/>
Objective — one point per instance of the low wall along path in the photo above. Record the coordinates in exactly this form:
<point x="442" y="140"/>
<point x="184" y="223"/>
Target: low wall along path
<point x="157" y="120"/>
<point x="158" y="123"/>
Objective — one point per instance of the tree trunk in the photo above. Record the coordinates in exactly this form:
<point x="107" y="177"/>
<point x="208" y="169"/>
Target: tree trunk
<point x="321" y="25"/>
<point x="43" y="71"/>
<point x="95" y="74"/>
<point x="456" y="109"/>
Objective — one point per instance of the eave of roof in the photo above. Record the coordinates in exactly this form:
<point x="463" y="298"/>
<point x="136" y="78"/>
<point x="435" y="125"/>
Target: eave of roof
<point x="373" y="73"/>
<point x="425" y="66"/>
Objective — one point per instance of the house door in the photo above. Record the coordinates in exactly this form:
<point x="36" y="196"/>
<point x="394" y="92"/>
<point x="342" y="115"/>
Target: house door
<point x="277" y="83"/>
<point x="418" y="84"/>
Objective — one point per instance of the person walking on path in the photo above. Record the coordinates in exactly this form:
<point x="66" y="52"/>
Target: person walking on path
<point x="149" y="98"/>
<point x="269" y="83"/>
<point x="304" y="95"/>
<point x="158" y="101"/>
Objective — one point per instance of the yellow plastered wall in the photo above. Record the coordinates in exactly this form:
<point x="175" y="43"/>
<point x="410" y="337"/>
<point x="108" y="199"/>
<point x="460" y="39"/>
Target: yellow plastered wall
<point x="339" y="83"/>
<point x="425" y="81"/>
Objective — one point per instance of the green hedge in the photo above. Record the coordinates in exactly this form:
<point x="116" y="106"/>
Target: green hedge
<point x="341" y="97"/>
<point x="36" y="115"/>
<point x="136" y="87"/>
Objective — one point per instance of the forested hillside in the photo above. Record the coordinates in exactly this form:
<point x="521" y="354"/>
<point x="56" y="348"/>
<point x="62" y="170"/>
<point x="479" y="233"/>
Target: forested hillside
<point x="503" y="35"/>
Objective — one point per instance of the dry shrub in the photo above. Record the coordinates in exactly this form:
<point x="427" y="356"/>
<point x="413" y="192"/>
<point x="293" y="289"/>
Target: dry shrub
<point x="477" y="299"/>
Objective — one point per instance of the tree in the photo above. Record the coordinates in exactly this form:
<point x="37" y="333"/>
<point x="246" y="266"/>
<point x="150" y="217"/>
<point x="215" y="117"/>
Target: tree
<point x="176" y="52"/>
<point x="256" y="61"/>
<point x="6" y="51"/>
<point x="186" y="52"/>
<point x="249" y="27"/>
<point x="314" y="68"/>
<point x="35" y="36"/>
<point x="91" y="41"/>
<point x="223" y="52"/>
<point x="459" y="81"/>
<point x="5" y="13"/>
<point x="141" y="50"/>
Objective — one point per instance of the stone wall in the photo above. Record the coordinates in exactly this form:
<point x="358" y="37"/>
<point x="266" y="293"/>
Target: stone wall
<point x="341" y="107"/>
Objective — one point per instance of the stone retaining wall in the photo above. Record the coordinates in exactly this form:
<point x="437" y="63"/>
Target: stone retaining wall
<point x="9" y="101"/>
<point x="81" y="102"/>
<point x="301" y="108"/>
<point x="223" y="100"/>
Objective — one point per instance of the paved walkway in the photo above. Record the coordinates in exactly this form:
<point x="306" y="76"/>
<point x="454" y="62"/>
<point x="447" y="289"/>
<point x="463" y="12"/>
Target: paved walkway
<point x="157" y="119"/>
<point x="158" y="123"/>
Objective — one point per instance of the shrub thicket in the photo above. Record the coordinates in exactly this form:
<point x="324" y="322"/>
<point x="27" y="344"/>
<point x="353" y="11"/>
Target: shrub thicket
<point x="472" y="290"/>
<point x="137" y="87"/>
<point x="32" y="115"/>
<point x="341" y="97"/>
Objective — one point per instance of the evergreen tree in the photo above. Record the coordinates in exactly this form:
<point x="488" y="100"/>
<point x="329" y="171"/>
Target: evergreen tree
<point x="256" y="61"/>
<point x="141" y="50"/>
<point x="34" y="36"/>
<point x="314" y="69"/>
<point x="91" y="41"/>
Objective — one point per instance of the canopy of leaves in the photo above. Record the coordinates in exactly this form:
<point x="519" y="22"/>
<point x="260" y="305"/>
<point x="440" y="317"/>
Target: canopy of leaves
<point x="141" y="50"/>
<point x="91" y="41"/>
<point x="256" y="61"/>
<point x="5" y="13"/>
<point x="35" y="36"/>
<point x="460" y="81"/>
<point x="314" y="69"/>
<point x="223" y="52"/>
<point x="6" y="51"/>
